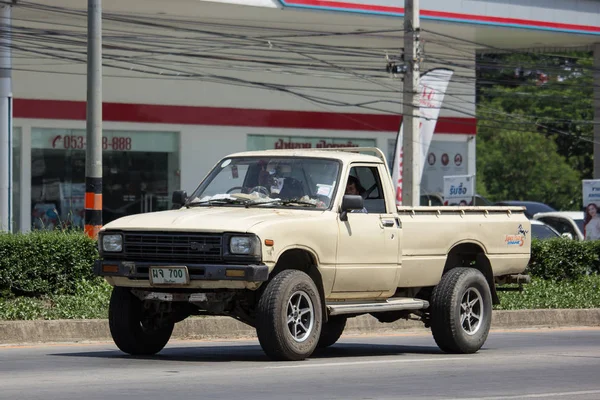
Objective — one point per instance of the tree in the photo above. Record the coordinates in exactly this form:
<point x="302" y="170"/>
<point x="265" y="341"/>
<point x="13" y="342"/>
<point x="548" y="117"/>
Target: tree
<point x="550" y="94"/>
<point x="525" y="165"/>
<point x="535" y="126"/>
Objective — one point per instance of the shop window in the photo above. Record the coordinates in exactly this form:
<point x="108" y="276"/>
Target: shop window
<point x="140" y="171"/>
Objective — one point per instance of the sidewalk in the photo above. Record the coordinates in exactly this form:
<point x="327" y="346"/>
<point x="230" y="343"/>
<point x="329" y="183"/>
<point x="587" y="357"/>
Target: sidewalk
<point x="21" y="332"/>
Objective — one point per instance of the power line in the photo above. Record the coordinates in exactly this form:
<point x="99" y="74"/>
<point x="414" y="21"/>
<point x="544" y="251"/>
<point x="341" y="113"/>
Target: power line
<point x="243" y="41"/>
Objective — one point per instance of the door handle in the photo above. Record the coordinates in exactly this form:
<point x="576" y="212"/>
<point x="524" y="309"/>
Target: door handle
<point x="387" y="223"/>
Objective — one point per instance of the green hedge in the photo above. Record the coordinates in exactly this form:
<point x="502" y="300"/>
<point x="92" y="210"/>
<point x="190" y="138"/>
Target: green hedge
<point x="563" y="259"/>
<point x="42" y="263"/>
<point x="45" y="263"/>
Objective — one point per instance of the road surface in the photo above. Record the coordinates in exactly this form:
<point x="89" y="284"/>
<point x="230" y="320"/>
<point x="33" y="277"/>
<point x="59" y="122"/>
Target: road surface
<point x="524" y="364"/>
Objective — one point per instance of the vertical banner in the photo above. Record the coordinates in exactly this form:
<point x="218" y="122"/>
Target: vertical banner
<point x="459" y="190"/>
<point x="591" y="203"/>
<point x="432" y="87"/>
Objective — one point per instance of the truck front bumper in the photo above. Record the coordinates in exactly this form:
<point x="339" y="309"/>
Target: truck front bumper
<point x="139" y="271"/>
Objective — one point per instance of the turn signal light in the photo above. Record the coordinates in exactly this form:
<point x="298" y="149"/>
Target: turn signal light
<point x="269" y="242"/>
<point x="110" y="268"/>
<point x="235" y="273"/>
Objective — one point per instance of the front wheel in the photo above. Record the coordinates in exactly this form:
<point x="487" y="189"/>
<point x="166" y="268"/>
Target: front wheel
<point x="289" y="317"/>
<point x="135" y="330"/>
<point x="461" y="311"/>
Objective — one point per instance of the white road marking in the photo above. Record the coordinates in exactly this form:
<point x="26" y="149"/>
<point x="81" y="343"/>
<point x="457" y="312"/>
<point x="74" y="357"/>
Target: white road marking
<point x="534" y="395"/>
<point x="342" y="364"/>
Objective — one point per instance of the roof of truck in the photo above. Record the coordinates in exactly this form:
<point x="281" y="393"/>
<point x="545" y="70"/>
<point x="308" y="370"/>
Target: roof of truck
<point x="344" y="156"/>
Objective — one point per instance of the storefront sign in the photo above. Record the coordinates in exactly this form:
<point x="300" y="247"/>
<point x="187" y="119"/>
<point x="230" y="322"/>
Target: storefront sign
<point x="591" y="203"/>
<point x="71" y="139"/>
<point x="459" y="190"/>
<point x="79" y="143"/>
<point x="266" y="142"/>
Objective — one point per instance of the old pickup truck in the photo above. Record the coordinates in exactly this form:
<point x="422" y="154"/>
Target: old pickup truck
<point x="295" y="242"/>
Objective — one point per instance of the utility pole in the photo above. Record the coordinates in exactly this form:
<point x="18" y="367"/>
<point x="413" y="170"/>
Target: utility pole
<point x="411" y="180"/>
<point x="5" y="118"/>
<point x="93" y="154"/>
<point x="596" y="103"/>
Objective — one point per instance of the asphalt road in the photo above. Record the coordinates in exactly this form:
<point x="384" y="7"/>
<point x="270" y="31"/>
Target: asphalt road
<point x="561" y="364"/>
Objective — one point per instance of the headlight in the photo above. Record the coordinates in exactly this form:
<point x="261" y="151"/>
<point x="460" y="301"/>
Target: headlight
<point x="112" y="243"/>
<point x="246" y="245"/>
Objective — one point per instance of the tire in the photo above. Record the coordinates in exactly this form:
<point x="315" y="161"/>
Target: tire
<point x="449" y="308"/>
<point x="331" y="331"/>
<point x="277" y="305"/>
<point x="130" y="332"/>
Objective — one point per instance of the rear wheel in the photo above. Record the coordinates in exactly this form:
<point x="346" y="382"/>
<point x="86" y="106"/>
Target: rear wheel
<point x="461" y="311"/>
<point x="134" y="329"/>
<point x="289" y="317"/>
<point x="331" y="332"/>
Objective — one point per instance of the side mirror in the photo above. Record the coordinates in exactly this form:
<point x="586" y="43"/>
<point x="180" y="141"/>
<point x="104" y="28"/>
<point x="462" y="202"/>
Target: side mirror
<point x="349" y="203"/>
<point x="179" y="198"/>
<point x="567" y="235"/>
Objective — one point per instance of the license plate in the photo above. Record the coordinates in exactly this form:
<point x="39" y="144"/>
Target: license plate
<point x="169" y="276"/>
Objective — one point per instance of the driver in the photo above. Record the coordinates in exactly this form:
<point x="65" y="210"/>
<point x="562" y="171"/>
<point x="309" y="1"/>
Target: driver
<point x="353" y="187"/>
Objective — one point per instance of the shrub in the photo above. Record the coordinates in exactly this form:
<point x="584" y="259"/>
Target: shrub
<point x="42" y="263"/>
<point x="561" y="259"/>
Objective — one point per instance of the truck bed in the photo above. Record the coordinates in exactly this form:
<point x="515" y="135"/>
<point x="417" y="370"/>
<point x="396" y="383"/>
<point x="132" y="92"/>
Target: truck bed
<point x="430" y="234"/>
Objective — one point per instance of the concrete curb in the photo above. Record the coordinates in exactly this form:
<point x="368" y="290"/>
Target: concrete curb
<point x="21" y="332"/>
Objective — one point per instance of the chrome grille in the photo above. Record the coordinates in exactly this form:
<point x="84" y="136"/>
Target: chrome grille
<point x="172" y="247"/>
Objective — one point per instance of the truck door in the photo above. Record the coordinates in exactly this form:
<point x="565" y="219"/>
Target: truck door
<point x="367" y="254"/>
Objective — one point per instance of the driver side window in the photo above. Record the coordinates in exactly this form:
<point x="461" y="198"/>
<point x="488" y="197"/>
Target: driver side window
<point x="369" y="188"/>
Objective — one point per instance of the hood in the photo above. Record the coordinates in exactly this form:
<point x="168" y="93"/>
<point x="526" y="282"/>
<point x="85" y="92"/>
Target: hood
<point x="207" y="219"/>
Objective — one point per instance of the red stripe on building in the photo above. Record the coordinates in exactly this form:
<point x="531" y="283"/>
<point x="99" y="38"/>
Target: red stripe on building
<point x="441" y="14"/>
<point x="224" y="116"/>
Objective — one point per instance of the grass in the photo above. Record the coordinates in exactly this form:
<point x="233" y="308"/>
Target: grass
<point x="91" y="300"/>
<point x="544" y="294"/>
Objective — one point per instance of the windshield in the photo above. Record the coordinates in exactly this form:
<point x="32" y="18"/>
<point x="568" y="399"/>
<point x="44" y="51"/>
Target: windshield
<point x="270" y="182"/>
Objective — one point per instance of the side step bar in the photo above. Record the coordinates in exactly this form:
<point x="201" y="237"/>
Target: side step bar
<point x="383" y="306"/>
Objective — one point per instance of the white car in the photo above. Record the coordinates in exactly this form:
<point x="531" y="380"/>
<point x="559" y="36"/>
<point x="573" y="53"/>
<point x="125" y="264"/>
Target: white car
<point x="567" y="223"/>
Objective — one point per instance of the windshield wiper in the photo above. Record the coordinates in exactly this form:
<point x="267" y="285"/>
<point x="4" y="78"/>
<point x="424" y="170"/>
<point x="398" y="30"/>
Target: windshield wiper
<point x="216" y="202"/>
<point x="282" y="202"/>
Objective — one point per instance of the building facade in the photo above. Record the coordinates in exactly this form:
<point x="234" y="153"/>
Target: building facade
<point x="166" y="123"/>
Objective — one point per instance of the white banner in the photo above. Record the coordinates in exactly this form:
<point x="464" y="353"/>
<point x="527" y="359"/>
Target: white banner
<point x="432" y="88"/>
<point x="591" y="203"/>
<point x="459" y="190"/>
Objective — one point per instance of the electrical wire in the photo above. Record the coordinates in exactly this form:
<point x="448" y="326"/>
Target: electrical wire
<point x="241" y="42"/>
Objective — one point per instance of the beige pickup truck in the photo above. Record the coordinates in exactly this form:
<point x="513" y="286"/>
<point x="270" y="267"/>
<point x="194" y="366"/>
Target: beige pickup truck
<point x="295" y="242"/>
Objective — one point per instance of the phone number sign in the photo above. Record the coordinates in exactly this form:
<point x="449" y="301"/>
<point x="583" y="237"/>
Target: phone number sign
<point x="121" y="141"/>
<point x="78" y="142"/>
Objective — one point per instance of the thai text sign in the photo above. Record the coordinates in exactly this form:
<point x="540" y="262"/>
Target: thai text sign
<point x="459" y="190"/>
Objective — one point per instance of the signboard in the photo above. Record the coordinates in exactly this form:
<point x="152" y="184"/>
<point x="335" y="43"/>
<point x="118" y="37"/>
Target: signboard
<point x="459" y="190"/>
<point x="591" y="203"/>
<point x="75" y="139"/>
<point x="268" y="142"/>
